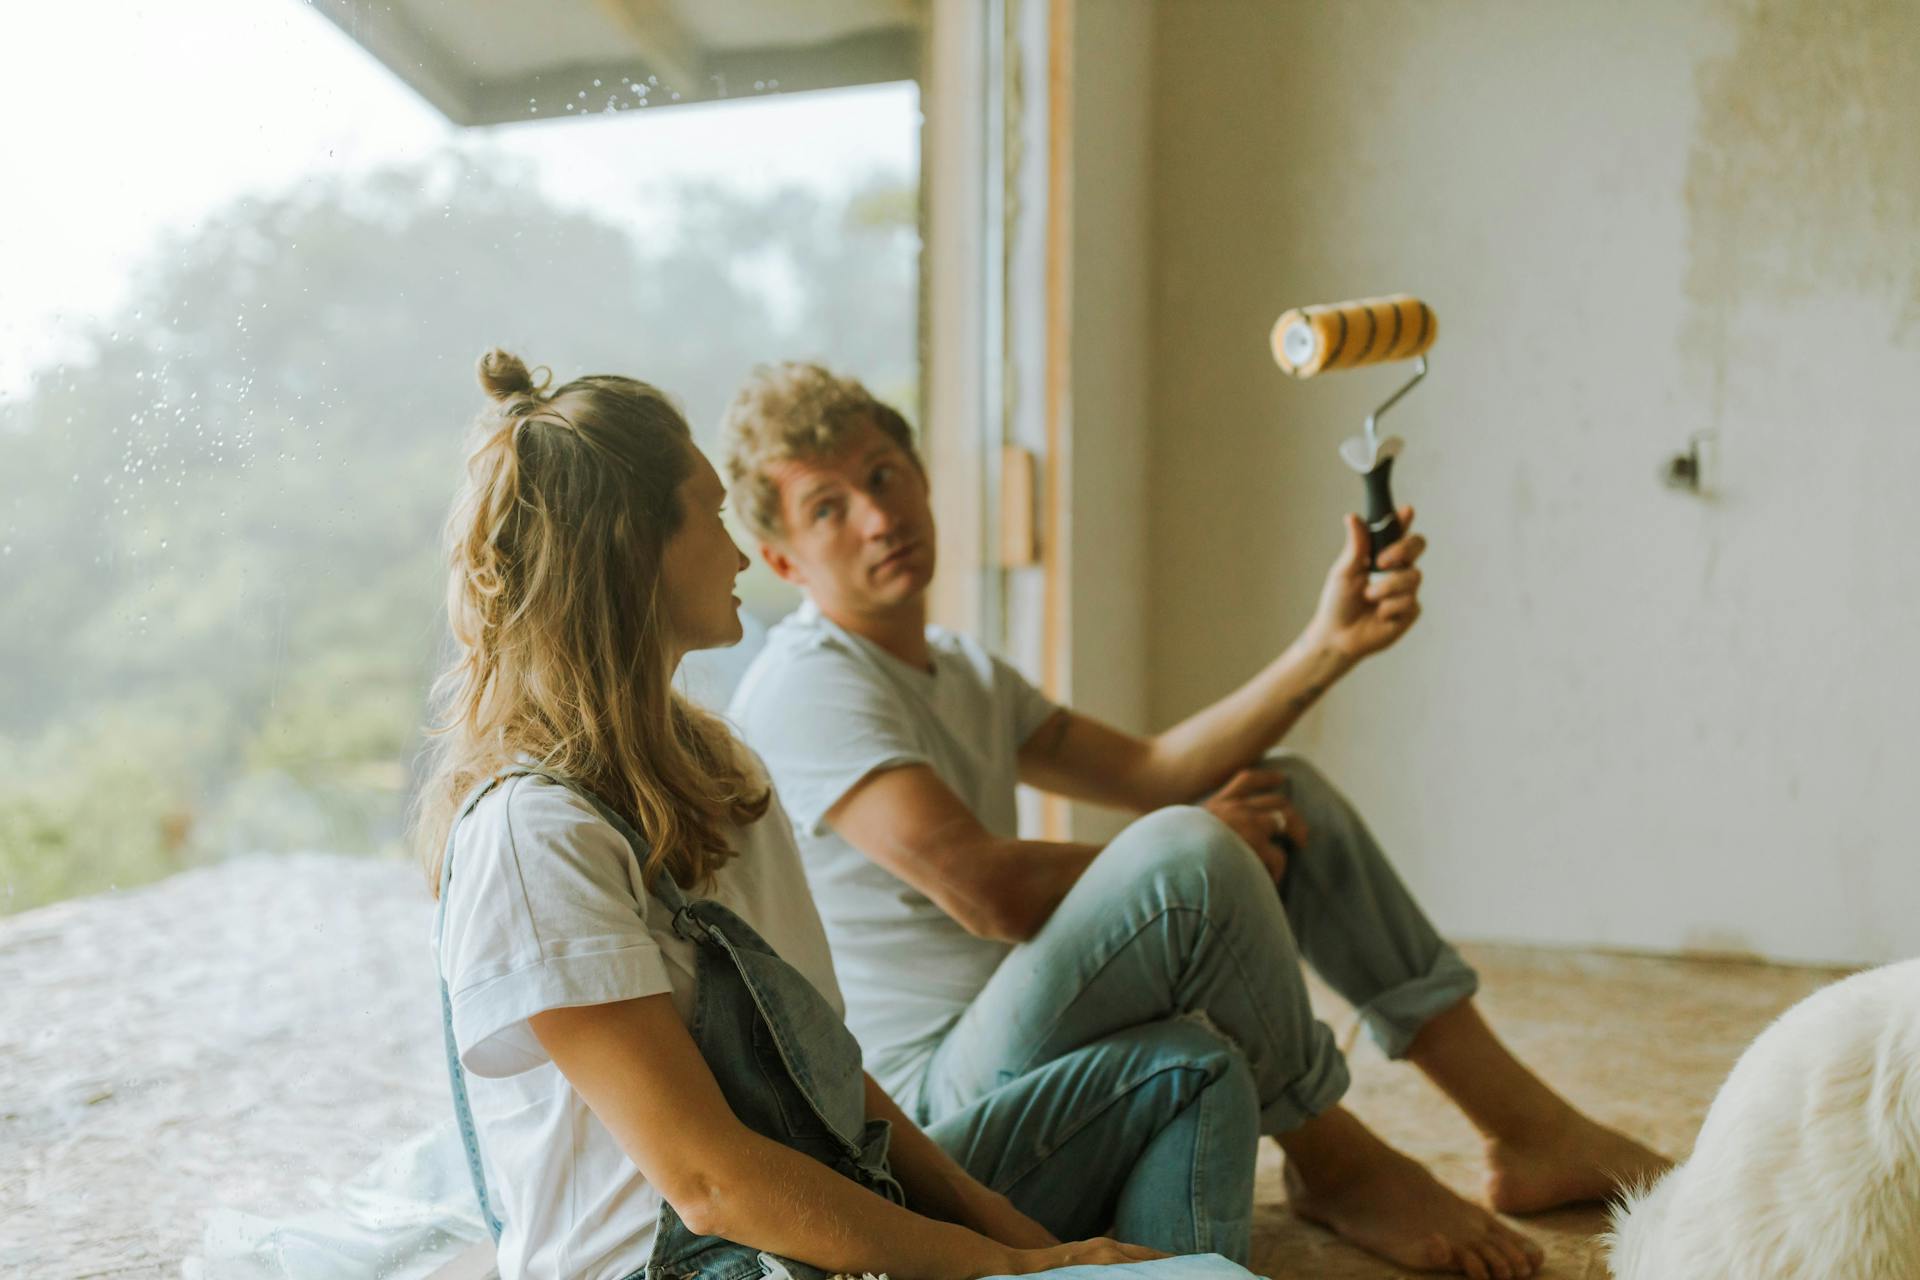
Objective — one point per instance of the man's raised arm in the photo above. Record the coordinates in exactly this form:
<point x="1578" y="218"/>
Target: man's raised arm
<point x="1359" y="614"/>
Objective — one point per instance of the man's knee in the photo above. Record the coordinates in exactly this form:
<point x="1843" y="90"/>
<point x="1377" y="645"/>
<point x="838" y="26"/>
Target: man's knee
<point x="1188" y="846"/>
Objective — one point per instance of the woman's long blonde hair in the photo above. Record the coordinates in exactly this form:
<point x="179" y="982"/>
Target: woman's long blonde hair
<point x="555" y="604"/>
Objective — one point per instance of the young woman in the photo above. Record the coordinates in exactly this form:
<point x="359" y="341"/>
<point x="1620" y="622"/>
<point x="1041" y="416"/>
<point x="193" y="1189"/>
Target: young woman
<point x="646" y="1040"/>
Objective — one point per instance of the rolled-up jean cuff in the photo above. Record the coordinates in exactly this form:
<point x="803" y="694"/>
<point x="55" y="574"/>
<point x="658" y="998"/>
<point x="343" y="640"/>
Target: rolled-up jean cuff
<point x="1394" y="1017"/>
<point x="1323" y="1085"/>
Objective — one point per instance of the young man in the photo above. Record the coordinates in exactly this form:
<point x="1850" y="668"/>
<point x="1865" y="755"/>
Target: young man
<point x="969" y="956"/>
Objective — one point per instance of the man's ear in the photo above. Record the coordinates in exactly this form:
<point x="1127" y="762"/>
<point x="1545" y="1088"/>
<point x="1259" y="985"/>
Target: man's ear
<point x="782" y="565"/>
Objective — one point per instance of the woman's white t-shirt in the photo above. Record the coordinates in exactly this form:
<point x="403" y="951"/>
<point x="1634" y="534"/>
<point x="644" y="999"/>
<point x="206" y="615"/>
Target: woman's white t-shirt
<point x="546" y="910"/>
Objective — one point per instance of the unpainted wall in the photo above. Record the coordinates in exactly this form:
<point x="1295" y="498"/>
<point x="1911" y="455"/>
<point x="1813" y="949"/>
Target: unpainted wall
<point x="1106" y="444"/>
<point x="1631" y="716"/>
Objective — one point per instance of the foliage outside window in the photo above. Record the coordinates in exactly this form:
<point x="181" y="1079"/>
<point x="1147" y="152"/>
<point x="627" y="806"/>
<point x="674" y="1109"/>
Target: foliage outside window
<point x="220" y="507"/>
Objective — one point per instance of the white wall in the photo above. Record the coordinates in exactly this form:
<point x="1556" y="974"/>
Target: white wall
<point x="1631" y="716"/>
<point x="1106" y="442"/>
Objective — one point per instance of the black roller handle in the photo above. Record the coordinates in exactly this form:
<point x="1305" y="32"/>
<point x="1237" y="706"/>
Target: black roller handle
<point x="1383" y="522"/>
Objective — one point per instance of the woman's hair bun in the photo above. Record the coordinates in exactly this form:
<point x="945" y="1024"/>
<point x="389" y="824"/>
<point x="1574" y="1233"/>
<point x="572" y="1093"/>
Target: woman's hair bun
<point x="505" y="376"/>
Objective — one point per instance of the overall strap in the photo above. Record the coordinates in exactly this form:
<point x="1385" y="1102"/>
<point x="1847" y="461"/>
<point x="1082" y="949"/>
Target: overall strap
<point x="463" y="1114"/>
<point x="456" y="1075"/>
<point x="664" y="888"/>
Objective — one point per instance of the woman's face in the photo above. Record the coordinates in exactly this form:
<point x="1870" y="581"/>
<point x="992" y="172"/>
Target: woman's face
<point x="700" y="564"/>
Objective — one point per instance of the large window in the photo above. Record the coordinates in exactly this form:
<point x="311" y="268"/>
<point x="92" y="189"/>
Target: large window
<point x="246" y="275"/>
<point x="249" y="253"/>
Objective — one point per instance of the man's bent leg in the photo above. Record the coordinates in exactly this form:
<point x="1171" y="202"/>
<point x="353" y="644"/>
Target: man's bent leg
<point x="1147" y="1135"/>
<point x="1356" y="923"/>
<point x="1175" y="916"/>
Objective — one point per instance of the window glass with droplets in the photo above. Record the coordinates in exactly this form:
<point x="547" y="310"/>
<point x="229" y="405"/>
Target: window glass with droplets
<point x="249" y="254"/>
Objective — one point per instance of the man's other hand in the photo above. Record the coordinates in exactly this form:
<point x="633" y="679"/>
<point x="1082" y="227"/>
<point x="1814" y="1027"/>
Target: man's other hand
<point x="1254" y="803"/>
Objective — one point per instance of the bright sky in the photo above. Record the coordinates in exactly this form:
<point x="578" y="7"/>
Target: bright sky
<point x="126" y="118"/>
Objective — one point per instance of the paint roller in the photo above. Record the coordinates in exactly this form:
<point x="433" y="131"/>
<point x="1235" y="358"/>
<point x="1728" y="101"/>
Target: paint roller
<point x="1309" y="341"/>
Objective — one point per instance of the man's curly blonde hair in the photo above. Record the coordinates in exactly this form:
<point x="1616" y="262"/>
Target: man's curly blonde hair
<point x="793" y="411"/>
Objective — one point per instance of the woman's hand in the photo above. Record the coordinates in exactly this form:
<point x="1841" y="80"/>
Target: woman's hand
<point x="1083" y="1253"/>
<point x="995" y="1217"/>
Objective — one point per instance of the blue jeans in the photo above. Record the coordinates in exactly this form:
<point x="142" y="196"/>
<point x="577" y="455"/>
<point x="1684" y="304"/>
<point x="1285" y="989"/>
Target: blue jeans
<point x="1147" y="1134"/>
<point x="1177" y="918"/>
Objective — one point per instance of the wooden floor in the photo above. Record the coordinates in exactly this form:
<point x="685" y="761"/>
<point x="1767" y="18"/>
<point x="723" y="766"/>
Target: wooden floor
<point x="242" y="1037"/>
<point x="1639" y="1043"/>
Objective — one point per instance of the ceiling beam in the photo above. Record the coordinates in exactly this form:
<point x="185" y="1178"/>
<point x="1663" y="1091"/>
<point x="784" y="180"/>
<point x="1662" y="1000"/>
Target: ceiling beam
<point x="870" y="57"/>
<point x="664" y="41"/>
<point x="873" y="57"/>
<point x="412" y="55"/>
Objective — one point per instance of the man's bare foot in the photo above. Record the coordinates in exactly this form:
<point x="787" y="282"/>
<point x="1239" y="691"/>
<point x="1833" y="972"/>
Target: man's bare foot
<point x="1393" y="1207"/>
<point x="1573" y="1162"/>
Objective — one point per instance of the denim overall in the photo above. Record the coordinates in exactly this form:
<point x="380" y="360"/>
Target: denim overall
<point x="783" y="1058"/>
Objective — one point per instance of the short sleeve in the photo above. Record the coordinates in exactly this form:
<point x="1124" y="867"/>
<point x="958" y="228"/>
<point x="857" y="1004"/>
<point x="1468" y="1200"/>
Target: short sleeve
<point x="541" y="913"/>
<point x="1030" y="707"/>
<point x="821" y="722"/>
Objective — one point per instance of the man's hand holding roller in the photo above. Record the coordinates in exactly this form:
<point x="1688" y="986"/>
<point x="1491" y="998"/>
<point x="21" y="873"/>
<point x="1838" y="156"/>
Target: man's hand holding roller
<point x="1362" y="612"/>
<point x="1359" y="614"/>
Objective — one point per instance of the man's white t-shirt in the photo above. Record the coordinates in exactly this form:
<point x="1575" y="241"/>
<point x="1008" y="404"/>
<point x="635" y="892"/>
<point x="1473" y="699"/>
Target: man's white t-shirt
<point x="824" y="708"/>
<point x="546" y="911"/>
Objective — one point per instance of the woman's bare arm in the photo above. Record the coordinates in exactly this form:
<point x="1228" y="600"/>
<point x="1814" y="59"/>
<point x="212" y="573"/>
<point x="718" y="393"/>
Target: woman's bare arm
<point x="639" y="1070"/>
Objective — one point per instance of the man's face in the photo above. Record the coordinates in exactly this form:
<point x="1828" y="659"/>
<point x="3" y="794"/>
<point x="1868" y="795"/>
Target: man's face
<point x="858" y="528"/>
